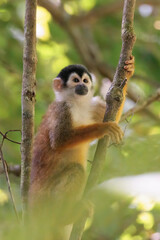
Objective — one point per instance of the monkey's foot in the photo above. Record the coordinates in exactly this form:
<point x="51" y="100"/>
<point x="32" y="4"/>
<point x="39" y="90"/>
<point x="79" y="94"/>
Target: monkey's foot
<point x="129" y="67"/>
<point x="114" y="132"/>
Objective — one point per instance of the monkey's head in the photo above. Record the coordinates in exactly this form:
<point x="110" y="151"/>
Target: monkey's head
<point x="73" y="82"/>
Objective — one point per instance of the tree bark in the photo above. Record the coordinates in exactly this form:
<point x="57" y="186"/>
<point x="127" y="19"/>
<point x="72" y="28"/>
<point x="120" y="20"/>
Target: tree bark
<point x="28" y="96"/>
<point x="114" y="100"/>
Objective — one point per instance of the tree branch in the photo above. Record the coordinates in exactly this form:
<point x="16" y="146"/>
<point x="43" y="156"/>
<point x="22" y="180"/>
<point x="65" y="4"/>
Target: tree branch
<point x="148" y="80"/>
<point x="8" y="182"/>
<point x="5" y="168"/>
<point x="143" y="105"/>
<point x="114" y="100"/>
<point x="5" y="136"/>
<point x="28" y="95"/>
<point x="105" y="10"/>
<point x="93" y="15"/>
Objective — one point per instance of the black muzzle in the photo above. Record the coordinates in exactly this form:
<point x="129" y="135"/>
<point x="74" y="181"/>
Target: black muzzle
<point x="81" y="89"/>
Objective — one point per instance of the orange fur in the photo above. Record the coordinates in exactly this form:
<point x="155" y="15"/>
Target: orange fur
<point x="118" y="116"/>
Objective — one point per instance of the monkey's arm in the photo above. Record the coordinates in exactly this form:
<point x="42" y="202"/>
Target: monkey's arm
<point x="90" y="132"/>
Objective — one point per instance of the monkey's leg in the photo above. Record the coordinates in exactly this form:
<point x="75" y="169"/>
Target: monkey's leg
<point x="90" y="132"/>
<point x="66" y="189"/>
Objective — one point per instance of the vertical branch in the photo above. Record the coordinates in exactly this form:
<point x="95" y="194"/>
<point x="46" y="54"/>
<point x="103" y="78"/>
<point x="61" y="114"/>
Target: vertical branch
<point x="114" y="100"/>
<point x="28" y="95"/>
<point x="128" y="39"/>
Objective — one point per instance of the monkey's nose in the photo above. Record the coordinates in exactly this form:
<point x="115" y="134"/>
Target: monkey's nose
<point x="81" y="89"/>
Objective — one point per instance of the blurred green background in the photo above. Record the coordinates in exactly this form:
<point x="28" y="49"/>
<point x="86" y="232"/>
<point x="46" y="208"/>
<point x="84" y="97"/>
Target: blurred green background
<point x="96" y="43"/>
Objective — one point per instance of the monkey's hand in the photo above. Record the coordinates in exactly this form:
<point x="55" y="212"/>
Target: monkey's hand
<point x="129" y="67"/>
<point x="93" y="131"/>
<point x="114" y="132"/>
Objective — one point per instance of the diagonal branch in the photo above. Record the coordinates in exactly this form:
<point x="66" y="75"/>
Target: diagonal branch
<point x="97" y="13"/>
<point x="5" y="169"/>
<point x="58" y="14"/>
<point x="5" y="136"/>
<point x="93" y="15"/>
<point x="114" y="100"/>
<point x="143" y="105"/>
<point x="105" y="10"/>
<point x="8" y="182"/>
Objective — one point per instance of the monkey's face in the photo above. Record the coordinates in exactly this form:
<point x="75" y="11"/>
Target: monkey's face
<point x="76" y="88"/>
<point x="80" y="86"/>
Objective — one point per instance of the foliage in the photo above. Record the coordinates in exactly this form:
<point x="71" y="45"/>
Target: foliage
<point x="115" y="216"/>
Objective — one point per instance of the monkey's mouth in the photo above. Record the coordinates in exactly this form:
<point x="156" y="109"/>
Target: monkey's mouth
<point x="81" y="89"/>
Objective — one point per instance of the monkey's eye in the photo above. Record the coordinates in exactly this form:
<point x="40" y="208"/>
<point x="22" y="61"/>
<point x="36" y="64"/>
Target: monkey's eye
<point x="85" y="80"/>
<point x="75" y="80"/>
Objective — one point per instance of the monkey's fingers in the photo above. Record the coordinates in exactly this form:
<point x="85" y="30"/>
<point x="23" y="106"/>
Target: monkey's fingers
<point x="113" y="126"/>
<point x="129" y="64"/>
<point x="130" y="61"/>
<point x="113" y="137"/>
<point x="118" y="135"/>
<point x="132" y="57"/>
<point x="114" y="132"/>
<point x="129" y="68"/>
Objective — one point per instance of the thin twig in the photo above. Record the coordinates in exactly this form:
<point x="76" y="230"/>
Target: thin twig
<point x="129" y="121"/>
<point x="142" y="106"/>
<point x="5" y="136"/>
<point x="8" y="184"/>
<point x="5" y="168"/>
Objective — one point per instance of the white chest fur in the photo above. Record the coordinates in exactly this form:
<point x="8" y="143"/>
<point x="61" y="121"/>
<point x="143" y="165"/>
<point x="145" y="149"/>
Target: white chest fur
<point x="81" y="113"/>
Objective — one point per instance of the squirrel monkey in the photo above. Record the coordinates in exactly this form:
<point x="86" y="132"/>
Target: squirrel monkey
<point x="72" y="121"/>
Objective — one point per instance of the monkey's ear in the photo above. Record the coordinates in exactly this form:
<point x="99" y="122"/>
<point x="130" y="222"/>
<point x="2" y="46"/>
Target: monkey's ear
<point x="57" y="84"/>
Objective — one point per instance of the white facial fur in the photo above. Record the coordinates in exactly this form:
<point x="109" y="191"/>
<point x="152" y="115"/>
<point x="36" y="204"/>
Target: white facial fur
<point x="80" y="105"/>
<point x="68" y="94"/>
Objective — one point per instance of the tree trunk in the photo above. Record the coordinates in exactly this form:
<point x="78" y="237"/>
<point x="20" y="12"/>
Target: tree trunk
<point x="28" y="96"/>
